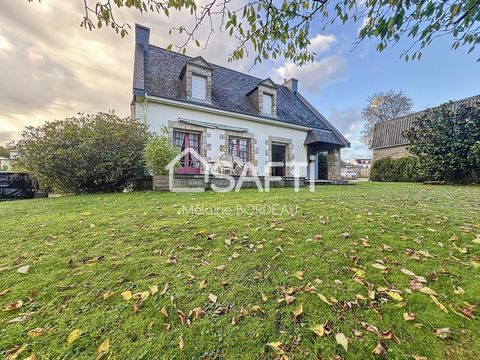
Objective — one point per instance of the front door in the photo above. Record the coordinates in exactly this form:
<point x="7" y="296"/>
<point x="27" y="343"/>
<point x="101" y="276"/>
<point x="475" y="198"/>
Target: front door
<point x="187" y="140"/>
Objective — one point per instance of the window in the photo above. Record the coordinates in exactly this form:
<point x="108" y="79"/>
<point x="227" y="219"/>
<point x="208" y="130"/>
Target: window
<point x="240" y="148"/>
<point x="185" y="140"/>
<point x="199" y="87"/>
<point x="267" y="104"/>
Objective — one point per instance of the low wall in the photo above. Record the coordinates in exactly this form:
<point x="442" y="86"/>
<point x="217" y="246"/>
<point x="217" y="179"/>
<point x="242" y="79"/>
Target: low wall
<point x="198" y="181"/>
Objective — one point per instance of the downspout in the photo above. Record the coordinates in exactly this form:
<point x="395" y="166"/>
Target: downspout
<point x="145" y="109"/>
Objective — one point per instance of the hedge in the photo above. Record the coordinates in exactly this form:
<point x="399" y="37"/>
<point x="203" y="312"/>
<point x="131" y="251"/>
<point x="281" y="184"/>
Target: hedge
<point x="404" y="169"/>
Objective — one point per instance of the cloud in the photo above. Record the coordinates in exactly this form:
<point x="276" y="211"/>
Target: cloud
<point x="313" y="75"/>
<point x="348" y="121"/>
<point x="321" y="43"/>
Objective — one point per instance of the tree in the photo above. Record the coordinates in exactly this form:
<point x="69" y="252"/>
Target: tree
<point x="383" y="106"/>
<point x="446" y="141"/>
<point x="83" y="154"/>
<point x="4" y="152"/>
<point x="274" y="29"/>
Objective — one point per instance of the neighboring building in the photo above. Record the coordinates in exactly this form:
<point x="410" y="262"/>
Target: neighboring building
<point x="361" y="163"/>
<point x="388" y="138"/>
<point x="5" y="164"/>
<point x="217" y="111"/>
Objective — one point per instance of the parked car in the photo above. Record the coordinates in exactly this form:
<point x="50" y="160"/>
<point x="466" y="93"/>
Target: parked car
<point x="349" y="174"/>
<point x="16" y="185"/>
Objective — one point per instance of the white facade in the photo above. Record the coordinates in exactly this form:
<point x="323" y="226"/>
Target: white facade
<point x="159" y="113"/>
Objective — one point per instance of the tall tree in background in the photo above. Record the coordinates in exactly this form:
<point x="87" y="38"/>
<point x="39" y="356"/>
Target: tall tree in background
<point x="383" y="106"/>
<point x="270" y="29"/>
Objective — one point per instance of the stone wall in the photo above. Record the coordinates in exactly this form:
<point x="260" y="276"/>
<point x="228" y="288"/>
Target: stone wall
<point x="393" y="152"/>
<point x="334" y="163"/>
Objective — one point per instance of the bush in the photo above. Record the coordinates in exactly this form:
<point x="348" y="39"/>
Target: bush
<point x="446" y="142"/>
<point x="159" y="152"/>
<point x="404" y="169"/>
<point x="84" y="154"/>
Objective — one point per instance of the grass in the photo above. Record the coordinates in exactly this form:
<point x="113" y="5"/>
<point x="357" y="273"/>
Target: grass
<point x="80" y="248"/>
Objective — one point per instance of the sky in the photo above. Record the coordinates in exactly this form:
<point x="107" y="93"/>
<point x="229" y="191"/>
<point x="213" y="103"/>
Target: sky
<point x="51" y="68"/>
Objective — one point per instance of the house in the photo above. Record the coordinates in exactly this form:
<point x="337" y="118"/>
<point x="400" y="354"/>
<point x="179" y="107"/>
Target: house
<point x="5" y="164"/>
<point x="388" y="136"/>
<point x="215" y="110"/>
<point x="361" y="163"/>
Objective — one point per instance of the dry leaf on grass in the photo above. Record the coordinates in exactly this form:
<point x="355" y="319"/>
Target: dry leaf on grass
<point x="126" y="295"/>
<point x="342" y="340"/>
<point x="14" y="306"/>
<point x="23" y="269"/>
<point x="74" y="335"/>
<point x="212" y="298"/>
<point x="181" y="342"/>
<point x="409" y="316"/>
<point x="103" y="349"/>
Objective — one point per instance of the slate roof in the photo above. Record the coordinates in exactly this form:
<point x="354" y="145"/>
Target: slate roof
<point x="158" y="75"/>
<point x="390" y="133"/>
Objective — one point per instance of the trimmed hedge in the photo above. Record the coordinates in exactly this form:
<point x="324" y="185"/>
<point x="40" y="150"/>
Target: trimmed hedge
<point x="404" y="169"/>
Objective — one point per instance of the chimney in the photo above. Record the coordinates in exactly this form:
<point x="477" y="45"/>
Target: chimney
<point x="142" y="35"/>
<point x="292" y="85"/>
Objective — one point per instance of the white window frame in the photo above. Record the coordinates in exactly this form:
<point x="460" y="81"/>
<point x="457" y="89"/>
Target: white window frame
<point x="195" y="96"/>
<point x="267" y="109"/>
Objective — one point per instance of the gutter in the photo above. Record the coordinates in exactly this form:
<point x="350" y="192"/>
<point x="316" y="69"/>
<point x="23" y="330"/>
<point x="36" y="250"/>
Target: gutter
<point x="224" y="112"/>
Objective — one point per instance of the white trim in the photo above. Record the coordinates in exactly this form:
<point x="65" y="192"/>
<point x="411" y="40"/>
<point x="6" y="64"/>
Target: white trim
<point x="224" y="112"/>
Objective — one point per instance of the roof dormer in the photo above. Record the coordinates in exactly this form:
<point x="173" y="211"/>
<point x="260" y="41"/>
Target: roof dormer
<point x="264" y="96"/>
<point x="196" y="77"/>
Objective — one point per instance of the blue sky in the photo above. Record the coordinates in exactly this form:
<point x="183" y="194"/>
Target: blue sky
<point x="51" y="72"/>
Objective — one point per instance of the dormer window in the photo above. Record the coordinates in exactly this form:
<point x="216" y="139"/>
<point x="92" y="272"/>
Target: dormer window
<point x="199" y="87"/>
<point x="196" y="76"/>
<point x="264" y="97"/>
<point x="267" y="104"/>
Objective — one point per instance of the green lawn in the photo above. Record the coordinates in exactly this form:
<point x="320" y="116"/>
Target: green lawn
<point x="84" y="251"/>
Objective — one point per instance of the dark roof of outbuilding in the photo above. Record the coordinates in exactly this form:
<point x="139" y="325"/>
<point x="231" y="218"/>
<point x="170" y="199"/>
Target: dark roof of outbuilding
<point x="161" y="71"/>
<point x="390" y="133"/>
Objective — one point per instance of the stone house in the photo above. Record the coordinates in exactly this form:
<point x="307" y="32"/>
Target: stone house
<point x="216" y="110"/>
<point x="388" y="138"/>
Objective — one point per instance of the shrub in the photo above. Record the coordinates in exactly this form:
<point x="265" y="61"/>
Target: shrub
<point x="446" y="142"/>
<point x="83" y="154"/>
<point x="159" y="152"/>
<point x="404" y="169"/>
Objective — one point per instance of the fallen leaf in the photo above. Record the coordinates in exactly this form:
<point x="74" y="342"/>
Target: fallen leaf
<point x="428" y="291"/>
<point x="395" y="296"/>
<point x="264" y="297"/>
<point x="379" y="266"/>
<point x="181" y="342"/>
<point x="298" y="311"/>
<point x="370" y="328"/>
<point x="289" y="299"/>
<point x="319" y="330"/>
<point x="32" y="357"/>
<point x="14" y="306"/>
<point x="379" y="350"/>
<point x="39" y="331"/>
<point x="165" y="288"/>
<point x="103" y="349"/>
<point x="4" y="292"/>
<point x="164" y="311"/>
<point x="442" y="333"/>
<point x="342" y="340"/>
<point x="299" y="275"/>
<point x="458" y="291"/>
<point x="408" y="272"/>
<point x="126" y="295"/>
<point x="23" y="269"/>
<point x="108" y="294"/>
<point x="14" y="352"/>
<point x="74" y="335"/>
<point x="202" y="284"/>
<point x="276" y="346"/>
<point x="439" y="304"/>
<point x="409" y="316"/>
<point x="212" y="298"/>
<point x="153" y="289"/>
<point x="324" y="299"/>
